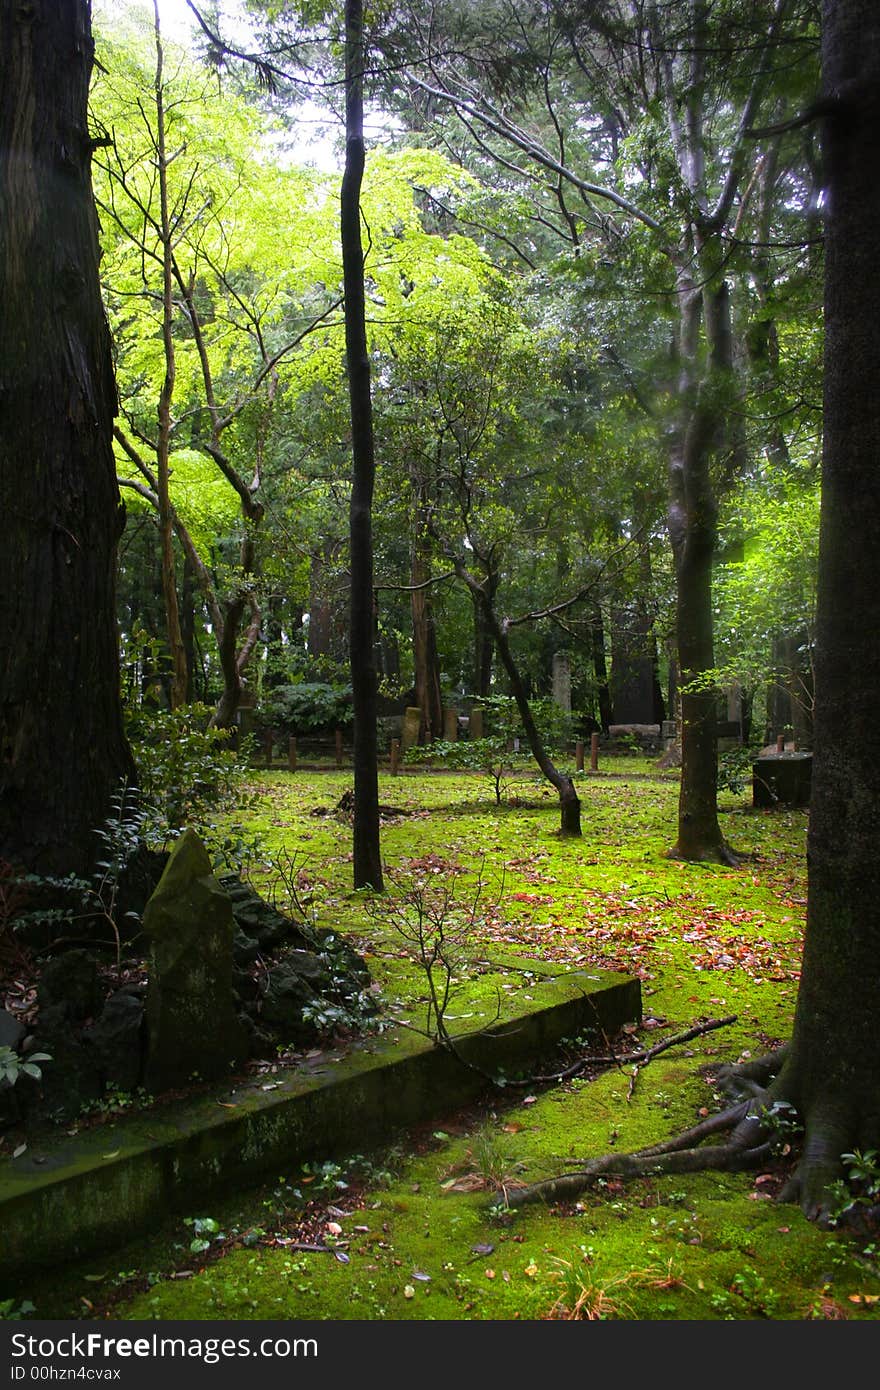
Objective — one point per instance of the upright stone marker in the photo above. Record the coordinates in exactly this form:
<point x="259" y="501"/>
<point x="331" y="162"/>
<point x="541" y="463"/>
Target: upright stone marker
<point x="411" y="723"/>
<point x="450" y="725"/>
<point x="192" y="1024"/>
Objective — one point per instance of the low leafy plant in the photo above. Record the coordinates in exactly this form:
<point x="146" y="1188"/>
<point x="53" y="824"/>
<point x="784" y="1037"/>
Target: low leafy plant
<point x="13" y="1066"/>
<point x="62" y="902"/>
<point x="860" y="1189"/>
<point x="490" y="756"/>
<point x="187" y="769"/>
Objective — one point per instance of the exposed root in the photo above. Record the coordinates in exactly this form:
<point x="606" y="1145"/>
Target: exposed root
<point x="749" y="1146"/>
<point x="727" y="1158"/>
<point x="769" y="1104"/>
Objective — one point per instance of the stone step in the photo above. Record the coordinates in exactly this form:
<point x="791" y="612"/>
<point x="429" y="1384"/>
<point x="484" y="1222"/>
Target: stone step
<point x="70" y="1197"/>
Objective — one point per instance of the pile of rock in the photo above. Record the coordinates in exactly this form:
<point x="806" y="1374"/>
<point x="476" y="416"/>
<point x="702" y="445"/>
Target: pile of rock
<point x="229" y="978"/>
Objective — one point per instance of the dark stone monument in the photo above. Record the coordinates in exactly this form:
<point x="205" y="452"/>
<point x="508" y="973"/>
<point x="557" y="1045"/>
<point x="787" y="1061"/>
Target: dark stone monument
<point x="782" y="779"/>
<point x="193" y="1028"/>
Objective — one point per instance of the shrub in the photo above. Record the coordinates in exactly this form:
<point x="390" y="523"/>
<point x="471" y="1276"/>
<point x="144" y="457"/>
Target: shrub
<point x="309" y="707"/>
<point x="187" y="770"/>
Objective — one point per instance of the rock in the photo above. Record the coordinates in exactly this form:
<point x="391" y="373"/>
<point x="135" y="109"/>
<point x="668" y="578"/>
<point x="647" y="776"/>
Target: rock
<point x="193" y="1029"/>
<point x="71" y="980"/>
<point x="288" y="992"/>
<point x="11" y="1031"/>
<point x="70" y="1080"/>
<point x="116" y="1041"/>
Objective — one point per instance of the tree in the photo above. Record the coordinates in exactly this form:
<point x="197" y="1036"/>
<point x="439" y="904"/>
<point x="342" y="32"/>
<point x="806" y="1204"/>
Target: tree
<point x="607" y="109"/>
<point x="63" y="748"/>
<point x="367" y="855"/>
<point x="832" y="1067"/>
<point x="829" y="1074"/>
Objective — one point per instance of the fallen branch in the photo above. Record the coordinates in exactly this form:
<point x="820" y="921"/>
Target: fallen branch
<point x="642" y="1059"/>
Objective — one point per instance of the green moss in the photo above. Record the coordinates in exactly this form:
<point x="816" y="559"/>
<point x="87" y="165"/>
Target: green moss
<point x="705" y="941"/>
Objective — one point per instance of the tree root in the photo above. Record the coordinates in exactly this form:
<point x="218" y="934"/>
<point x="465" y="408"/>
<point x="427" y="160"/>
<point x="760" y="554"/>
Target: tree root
<point x="749" y="1146"/>
<point x="769" y="1104"/>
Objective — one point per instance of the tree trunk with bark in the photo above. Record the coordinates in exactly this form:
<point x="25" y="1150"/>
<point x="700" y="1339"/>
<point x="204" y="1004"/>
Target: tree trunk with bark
<point x="367" y="855"/>
<point x="692" y="520"/>
<point x="62" y="749"/>
<point x="832" y="1071"/>
<point x="426" y="669"/>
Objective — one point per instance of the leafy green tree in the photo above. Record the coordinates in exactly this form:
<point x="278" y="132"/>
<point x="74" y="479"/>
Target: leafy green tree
<point x="604" y="111"/>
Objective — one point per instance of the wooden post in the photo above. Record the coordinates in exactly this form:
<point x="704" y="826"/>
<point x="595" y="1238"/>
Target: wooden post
<point x="395" y="756"/>
<point x="780" y="743"/>
<point x="594" y="752"/>
<point x="291" y="753"/>
<point x="579" y="755"/>
<point x="339" y="748"/>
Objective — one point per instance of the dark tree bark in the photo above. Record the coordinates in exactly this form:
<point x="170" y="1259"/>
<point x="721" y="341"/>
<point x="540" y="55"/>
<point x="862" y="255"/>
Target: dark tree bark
<point x="62" y="747"/>
<point x="600" y="668"/>
<point x="692" y="532"/>
<point x="176" y="645"/>
<point x="426" y="667"/>
<point x="367" y="855"/>
<point x="832" y="1071"/>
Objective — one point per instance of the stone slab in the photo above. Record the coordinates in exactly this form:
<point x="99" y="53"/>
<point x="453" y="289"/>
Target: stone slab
<point x="72" y="1197"/>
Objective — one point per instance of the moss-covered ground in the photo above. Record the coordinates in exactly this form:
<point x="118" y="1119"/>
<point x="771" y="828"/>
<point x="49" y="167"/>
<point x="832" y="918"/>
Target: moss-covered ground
<point x="422" y="1231"/>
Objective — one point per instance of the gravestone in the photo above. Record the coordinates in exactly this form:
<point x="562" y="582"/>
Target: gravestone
<point x="475" y="727"/>
<point x="782" y="779"/>
<point x="562" y="681"/>
<point x="193" y="1028"/>
<point x="450" y="725"/>
<point x="412" y="722"/>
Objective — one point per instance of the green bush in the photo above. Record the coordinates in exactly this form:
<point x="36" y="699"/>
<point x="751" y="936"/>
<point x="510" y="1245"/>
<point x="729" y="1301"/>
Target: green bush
<point x="186" y="769"/>
<point x="308" y="707"/>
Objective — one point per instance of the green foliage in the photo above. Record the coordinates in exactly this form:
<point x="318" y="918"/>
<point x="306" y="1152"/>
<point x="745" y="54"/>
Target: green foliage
<point x="735" y="768"/>
<point x="95" y="899"/>
<point x="13" y="1311"/>
<point x="308" y="707"/>
<point x="13" y="1067"/>
<point x="860" y="1189"/>
<point x="187" y="770"/>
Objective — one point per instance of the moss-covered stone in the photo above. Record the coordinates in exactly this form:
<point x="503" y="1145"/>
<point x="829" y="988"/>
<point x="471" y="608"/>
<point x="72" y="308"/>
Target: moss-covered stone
<point x="193" y="1027"/>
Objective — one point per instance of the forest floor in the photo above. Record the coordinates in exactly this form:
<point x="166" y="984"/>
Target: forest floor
<point x="422" y="1229"/>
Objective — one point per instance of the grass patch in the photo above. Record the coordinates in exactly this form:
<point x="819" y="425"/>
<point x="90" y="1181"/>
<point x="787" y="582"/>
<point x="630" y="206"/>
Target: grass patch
<point x="423" y="1232"/>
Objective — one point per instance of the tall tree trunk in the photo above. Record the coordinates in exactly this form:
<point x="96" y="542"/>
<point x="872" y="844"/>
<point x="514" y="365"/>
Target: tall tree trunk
<point x="692" y="533"/>
<point x="367" y="854"/>
<point x="484" y="650"/>
<point x="832" y="1072"/>
<point x="62" y="747"/>
<point x="600" y="668"/>
<point x="176" y="646"/>
<point x="425" y="666"/>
